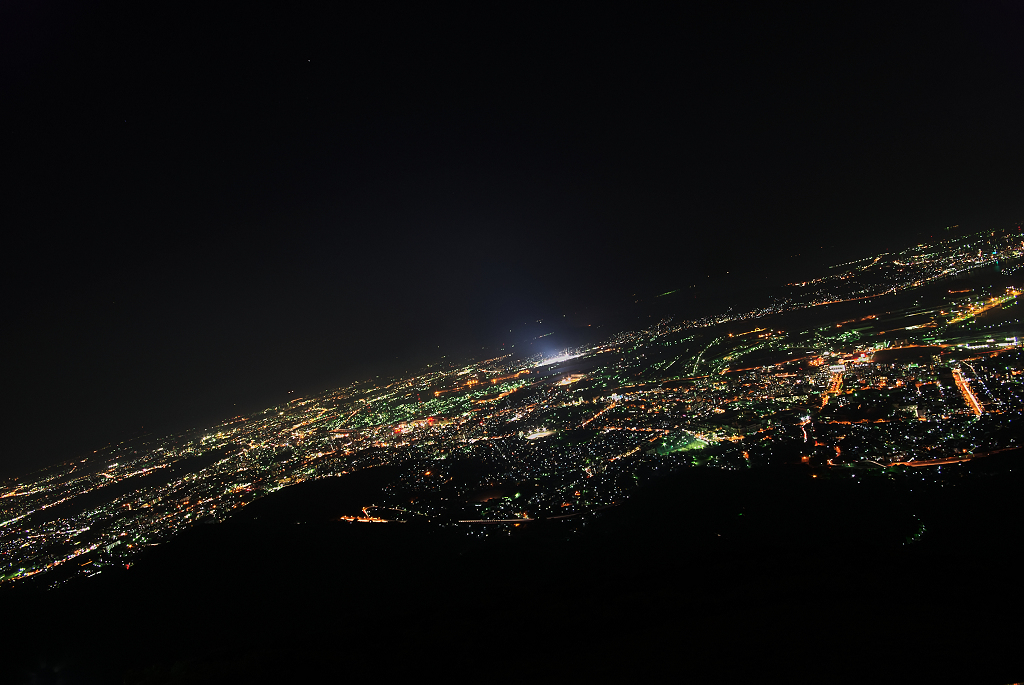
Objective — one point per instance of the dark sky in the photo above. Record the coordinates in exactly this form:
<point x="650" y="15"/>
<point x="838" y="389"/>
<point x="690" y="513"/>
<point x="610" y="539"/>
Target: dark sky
<point x="206" y="208"/>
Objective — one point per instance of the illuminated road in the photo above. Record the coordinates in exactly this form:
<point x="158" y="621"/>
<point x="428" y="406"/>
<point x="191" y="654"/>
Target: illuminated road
<point x="991" y="399"/>
<point x="966" y="391"/>
<point x="955" y="459"/>
<point x="598" y="414"/>
<point x="935" y="462"/>
<point x="837" y="383"/>
<point x="834" y="389"/>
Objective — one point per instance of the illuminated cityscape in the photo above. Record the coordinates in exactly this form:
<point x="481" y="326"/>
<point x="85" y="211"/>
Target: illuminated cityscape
<point x="347" y="342"/>
<point x="889" y="367"/>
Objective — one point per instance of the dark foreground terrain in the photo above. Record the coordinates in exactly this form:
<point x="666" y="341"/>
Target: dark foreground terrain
<point x="710" y="575"/>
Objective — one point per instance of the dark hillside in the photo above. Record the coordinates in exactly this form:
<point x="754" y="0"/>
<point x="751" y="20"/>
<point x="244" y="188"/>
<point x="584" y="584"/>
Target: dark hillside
<point x="735" y="572"/>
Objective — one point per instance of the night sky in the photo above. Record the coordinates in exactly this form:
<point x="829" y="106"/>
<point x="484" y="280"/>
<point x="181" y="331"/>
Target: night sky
<point x="205" y="209"/>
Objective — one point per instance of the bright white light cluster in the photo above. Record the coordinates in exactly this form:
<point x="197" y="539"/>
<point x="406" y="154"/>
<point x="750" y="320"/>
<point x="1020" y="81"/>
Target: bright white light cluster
<point x="556" y="360"/>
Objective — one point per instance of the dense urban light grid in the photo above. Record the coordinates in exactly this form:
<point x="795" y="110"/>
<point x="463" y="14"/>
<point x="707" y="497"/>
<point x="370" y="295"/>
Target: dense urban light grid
<point x="888" y="365"/>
